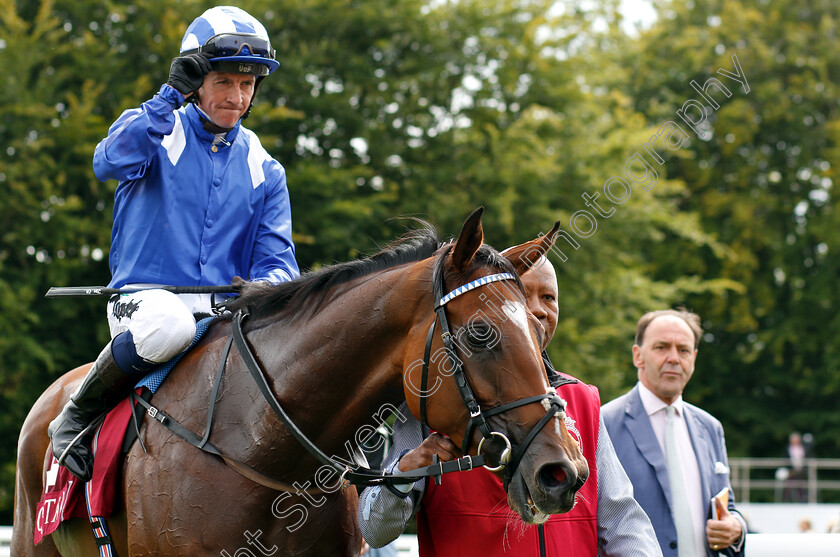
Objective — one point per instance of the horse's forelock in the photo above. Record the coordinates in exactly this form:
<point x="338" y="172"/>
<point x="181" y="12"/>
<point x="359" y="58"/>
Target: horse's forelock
<point x="487" y="256"/>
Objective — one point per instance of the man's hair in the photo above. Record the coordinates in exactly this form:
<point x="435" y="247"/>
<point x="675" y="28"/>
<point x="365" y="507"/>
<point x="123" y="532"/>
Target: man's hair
<point x="691" y="319"/>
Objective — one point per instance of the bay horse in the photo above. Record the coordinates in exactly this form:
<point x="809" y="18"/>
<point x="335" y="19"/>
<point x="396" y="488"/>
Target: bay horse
<point x="338" y="348"/>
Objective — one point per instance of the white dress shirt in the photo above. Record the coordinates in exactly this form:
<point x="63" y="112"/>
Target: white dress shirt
<point x="655" y="408"/>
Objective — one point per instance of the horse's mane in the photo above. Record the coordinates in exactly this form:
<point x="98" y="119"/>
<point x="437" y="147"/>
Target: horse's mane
<point x="311" y="289"/>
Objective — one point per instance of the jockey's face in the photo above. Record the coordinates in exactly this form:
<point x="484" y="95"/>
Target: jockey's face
<point x="225" y="97"/>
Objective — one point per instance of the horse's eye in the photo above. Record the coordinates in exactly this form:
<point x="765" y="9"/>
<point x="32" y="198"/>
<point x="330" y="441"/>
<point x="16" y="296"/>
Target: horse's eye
<point x="479" y="335"/>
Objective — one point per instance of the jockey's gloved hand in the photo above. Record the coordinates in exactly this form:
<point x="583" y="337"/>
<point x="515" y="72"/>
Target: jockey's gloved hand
<point x="186" y="74"/>
<point x="238" y="281"/>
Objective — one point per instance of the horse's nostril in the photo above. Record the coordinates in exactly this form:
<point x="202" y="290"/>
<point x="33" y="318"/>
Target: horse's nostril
<point x="552" y="475"/>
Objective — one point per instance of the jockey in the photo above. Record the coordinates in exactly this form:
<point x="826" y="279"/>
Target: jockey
<point x="199" y="202"/>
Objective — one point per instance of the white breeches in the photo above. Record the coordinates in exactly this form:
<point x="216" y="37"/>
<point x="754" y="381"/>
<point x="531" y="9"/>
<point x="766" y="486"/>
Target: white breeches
<point x="161" y="323"/>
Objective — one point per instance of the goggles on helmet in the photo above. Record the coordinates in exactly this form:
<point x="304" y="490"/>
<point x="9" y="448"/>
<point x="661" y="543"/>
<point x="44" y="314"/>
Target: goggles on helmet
<point x="237" y="66"/>
<point x="231" y="44"/>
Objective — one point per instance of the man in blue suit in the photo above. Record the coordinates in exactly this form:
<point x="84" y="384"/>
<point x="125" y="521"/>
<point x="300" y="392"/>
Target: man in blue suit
<point x="674" y="452"/>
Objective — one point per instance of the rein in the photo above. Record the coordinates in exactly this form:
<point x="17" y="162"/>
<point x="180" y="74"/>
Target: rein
<point x="361" y="474"/>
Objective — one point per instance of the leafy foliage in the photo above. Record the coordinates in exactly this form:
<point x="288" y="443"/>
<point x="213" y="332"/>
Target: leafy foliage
<point x="760" y="181"/>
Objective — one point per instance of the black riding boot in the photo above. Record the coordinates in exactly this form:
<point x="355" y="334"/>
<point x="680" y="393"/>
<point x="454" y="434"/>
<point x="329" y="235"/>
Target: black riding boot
<point x="99" y="391"/>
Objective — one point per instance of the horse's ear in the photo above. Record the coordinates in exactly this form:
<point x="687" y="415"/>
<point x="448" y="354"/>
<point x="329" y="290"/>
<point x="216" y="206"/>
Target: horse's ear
<point x="524" y="256"/>
<point x="470" y="239"/>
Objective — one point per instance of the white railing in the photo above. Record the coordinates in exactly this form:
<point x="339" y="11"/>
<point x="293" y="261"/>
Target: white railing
<point x="790" y="518"/>
<point x="773" y="474"/>
<point x="792" y="545"/>
<point x="5" y="541"/>
<point x="757" y="545"/>
<point x="407" y="546"/>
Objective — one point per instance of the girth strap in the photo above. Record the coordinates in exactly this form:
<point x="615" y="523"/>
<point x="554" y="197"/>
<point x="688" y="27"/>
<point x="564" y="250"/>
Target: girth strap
<point x="200" y="443"/>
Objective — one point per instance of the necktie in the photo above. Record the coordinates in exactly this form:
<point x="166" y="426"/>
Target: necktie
<point x="679" y="497"/>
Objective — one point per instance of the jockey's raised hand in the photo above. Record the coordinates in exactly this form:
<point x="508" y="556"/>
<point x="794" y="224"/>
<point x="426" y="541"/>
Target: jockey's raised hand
<point x="186" y="74"/>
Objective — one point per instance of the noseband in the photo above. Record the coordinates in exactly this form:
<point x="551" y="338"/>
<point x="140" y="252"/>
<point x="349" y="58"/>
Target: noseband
<point x="556" y="406"/>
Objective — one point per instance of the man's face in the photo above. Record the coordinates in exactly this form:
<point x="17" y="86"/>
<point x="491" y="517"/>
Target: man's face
<point x="225" y="97"/>
<point x="665" y="360"/>
<point x="541" y="296"/>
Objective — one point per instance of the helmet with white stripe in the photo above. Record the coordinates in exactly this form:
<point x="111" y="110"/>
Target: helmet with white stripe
<point x="233" y="40"/>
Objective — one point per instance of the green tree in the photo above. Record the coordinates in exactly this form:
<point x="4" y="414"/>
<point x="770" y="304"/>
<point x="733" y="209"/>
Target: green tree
<point x="761" y="178"/>
<point x="54" y="212"/>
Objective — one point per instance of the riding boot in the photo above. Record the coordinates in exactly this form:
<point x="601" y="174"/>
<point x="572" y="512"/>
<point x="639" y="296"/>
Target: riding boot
<point x="101" y="388"/>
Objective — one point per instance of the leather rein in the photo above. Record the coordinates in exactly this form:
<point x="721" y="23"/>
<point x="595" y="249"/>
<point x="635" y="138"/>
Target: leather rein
<point x="361" y="474"/>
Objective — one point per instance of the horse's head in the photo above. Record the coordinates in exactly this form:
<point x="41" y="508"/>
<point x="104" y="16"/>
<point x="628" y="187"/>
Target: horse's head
<point x="485" y="383"/>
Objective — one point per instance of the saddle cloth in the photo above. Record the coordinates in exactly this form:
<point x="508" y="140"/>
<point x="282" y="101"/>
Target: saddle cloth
<point x="65" y="496"/>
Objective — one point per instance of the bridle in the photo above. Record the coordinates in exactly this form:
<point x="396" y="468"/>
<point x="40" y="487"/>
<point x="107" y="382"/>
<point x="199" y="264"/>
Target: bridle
<point x="555" y="406"/>
<point x="361" y="474"/>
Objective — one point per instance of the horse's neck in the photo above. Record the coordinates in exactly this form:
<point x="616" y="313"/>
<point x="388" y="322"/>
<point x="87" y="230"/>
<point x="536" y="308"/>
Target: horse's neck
<point x="338" y="370"/>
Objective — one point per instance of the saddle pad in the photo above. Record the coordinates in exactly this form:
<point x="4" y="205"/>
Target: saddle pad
<point x="64" y="494"/>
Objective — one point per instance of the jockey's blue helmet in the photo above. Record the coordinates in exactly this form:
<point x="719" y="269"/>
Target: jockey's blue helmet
<point x="233" y="40"/>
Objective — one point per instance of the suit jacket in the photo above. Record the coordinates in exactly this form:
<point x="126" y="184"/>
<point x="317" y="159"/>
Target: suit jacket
<point x="639" y="452"/>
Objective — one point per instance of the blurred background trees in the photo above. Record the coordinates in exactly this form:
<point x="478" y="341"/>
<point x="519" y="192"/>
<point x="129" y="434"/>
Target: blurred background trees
<point x="385" y="109"/>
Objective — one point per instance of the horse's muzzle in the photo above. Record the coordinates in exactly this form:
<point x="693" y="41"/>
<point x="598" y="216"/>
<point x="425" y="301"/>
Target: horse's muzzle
<point x="557" y="485"/>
